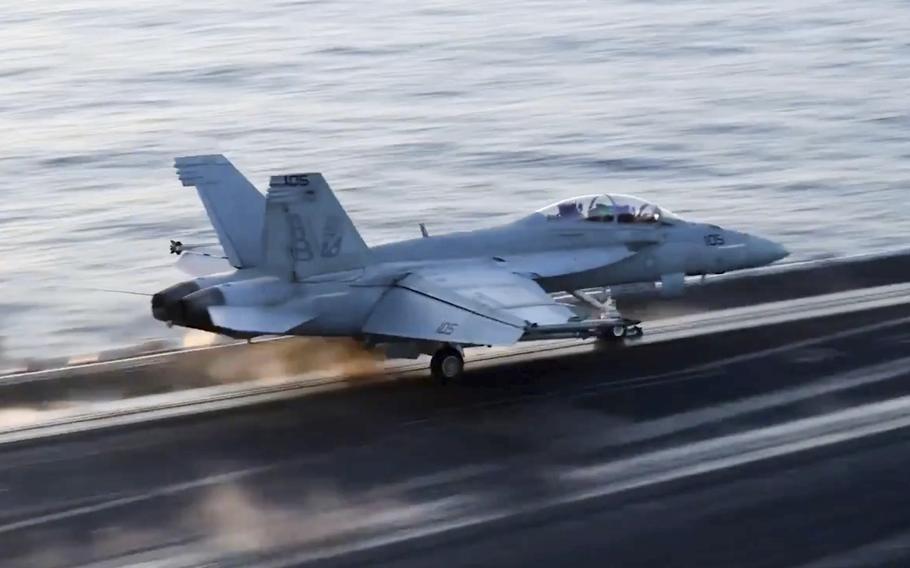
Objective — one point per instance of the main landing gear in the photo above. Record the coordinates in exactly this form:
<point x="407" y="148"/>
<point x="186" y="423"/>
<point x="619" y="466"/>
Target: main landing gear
<point x="447" y="364"/>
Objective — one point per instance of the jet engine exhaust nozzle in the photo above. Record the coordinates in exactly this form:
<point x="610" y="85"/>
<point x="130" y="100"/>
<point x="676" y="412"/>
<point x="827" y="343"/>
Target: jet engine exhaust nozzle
<point x="193" y="310"/>
<point x="164" y="303"/>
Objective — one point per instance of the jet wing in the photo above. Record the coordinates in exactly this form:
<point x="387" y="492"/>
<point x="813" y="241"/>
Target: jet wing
<point x="470" y="305"/>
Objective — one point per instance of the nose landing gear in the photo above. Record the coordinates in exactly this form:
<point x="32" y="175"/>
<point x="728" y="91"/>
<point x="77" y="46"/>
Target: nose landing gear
<point x="627" y="329"/>
<point x="606" y="310"/>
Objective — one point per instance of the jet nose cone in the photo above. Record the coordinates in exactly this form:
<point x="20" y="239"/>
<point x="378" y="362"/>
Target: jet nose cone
<point x="765" y="251"/>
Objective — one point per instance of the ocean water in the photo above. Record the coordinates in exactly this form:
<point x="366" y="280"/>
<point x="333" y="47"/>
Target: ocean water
<point x="790" y="119"/>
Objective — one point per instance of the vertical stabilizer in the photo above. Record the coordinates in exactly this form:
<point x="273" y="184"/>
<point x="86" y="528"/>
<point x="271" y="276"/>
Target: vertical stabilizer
<point x="235" y="208"/>
<point x="307" y="231"/>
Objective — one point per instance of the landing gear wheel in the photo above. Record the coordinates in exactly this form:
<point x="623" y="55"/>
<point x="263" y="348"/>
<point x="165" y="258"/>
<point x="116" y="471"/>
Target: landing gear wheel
<point x="628" y="329"/>
<point x="612" y="335"/>
<point x="447" y="365"/>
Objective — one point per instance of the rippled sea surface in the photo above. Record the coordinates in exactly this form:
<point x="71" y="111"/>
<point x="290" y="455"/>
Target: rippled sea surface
<point x="791" y="119"/>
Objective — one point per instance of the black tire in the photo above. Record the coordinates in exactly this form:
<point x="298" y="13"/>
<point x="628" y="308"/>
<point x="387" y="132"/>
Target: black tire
<point x="634" y="332"/>
<point x="447" y="365"/>
<point x="614" y="335"/>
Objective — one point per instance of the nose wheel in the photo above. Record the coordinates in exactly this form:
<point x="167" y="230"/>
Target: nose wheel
<point x="627" y="330"/>
<point x="447" y="365"/>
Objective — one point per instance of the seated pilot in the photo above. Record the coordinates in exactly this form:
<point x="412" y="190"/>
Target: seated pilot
<point x="625" y="214"/>
<point x="648" y="214"/>
<point x="569" y="210"/>
<point x="601" y="212"/>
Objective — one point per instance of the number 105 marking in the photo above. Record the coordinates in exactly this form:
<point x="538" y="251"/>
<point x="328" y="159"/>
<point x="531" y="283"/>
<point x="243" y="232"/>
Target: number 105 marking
<point x="714" y="240"/>
<point x="446" y="328"/>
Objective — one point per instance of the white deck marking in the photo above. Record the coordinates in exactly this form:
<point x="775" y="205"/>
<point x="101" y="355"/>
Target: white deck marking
<point x="885" y="552"/>
<point x="661" y="467"/>
<point x="138" y="498"/>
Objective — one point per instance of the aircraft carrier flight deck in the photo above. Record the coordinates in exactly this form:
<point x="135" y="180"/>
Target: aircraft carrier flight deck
<point x="736" y="433"/>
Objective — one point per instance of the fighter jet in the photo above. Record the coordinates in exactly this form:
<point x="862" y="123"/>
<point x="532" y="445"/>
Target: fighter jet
<point x="298" y="266"/>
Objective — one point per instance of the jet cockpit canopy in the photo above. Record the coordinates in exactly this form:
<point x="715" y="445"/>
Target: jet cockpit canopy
<point x="608" y="208"/>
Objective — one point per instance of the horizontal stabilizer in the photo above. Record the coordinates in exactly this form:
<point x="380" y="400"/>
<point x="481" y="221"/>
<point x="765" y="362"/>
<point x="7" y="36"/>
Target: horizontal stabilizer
<point x="199" y="264"/>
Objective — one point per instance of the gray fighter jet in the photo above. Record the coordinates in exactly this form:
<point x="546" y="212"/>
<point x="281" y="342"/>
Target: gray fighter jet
<point x="298" y="266"/>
